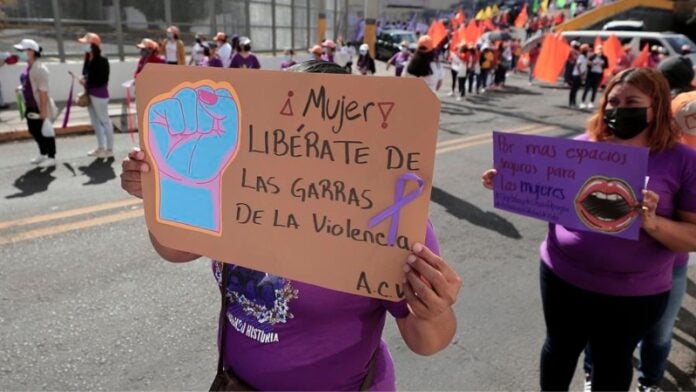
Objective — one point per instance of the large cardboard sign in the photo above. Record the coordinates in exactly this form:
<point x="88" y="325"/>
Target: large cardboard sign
<point x="315" y="177"/>
<point x="579" y="184"/>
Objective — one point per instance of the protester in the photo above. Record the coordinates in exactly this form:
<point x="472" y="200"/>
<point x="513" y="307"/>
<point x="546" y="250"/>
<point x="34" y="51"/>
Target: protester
<point x="329" y="50"/>
<point x="344" y="54"/>
<point x="425" y="65"/>
<point x="657" y="343"/>
<point x="95" y="79"/>
<point x="655" y="56"/>
<point x="533" y="58"/>
<point x="686" y="50"/>
<point x="148" y="54"/>
<point x="210" y="56"/>
<point x="625" y="61"/>
<point x="502" y="64"/>
<point x="197" y="51"/>
<point x="463" y="56"/>
<point x="400" y="59"/>
<point x="366" y="64"/>
<point x="316" y="51"/>
<point x="456" y="64"/>
<point x="288" y="59"/>
<point x="516" y="48"/>
<point x="598" y="63"/>
<point x="570" y="62"/>
<point x="224" y="49"/>
<point x="579" y="75"/>
<point x="604" y="290"/>
<point x="245" y="59"/>
<point x="486" y="62"/>
<point x="39" y="105"/>
<point x="172" y="48"/>
<point x="304" y="358"/>
<point x="473" y="68"/>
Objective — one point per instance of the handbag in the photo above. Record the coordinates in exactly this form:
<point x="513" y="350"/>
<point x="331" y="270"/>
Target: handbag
<point x="226" y="380"/>
<point x="82" y="99"/>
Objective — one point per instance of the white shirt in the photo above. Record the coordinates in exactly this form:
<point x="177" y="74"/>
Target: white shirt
<point x="197" y="53"/>
<point x="432" y="79"/>
<point x="597" y="64"/>
<point x="225" y="53"/>
<point x="170" y="51"/>
<point x="580" y="67"/>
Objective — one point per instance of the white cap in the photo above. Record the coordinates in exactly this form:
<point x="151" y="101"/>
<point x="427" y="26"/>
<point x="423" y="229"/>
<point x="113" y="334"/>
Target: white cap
<point x="243" y="41"/>
<point x="364" y="47"/>
<point x="27" y="44"/>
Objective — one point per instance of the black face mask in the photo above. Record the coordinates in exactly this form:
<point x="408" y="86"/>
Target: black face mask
<point x="626" y="123"/>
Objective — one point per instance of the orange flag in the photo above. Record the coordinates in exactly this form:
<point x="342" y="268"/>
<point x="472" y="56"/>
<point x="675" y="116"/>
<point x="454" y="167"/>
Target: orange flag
<point x="489" y="25"/>
<point x="552" y="59"/>
<point x="523" y="62"/>
<point x="522" y="18"/>
<point x="457" y="38"/>
<point x="472" y="32"/>
<point x="642" y="59"/>
<point x="613" y="50"/>
<point x="597" y="42"/>
<point x="459" y="18"/>
<point x="437" y="32"/>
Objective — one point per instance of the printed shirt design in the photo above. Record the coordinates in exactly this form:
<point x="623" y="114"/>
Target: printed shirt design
<point x="258" y="302"/>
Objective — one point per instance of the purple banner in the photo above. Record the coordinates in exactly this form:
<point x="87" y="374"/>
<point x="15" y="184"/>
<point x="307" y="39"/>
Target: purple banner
<point x="578" y="184"/>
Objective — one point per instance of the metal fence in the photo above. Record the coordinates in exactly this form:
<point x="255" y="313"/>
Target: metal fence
<point x="272" y="25"/>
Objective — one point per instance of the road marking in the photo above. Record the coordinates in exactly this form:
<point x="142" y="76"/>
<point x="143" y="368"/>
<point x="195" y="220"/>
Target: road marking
<point x="484" y="135"/>
<point x="69" y="213"/>
<point x="489" y="139"/>
<point x="64" y="228"/>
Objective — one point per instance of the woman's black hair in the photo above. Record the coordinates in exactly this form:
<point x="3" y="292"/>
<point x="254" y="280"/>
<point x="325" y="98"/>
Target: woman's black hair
<point x="420" y="63"/>
<point x="235" y="44"/>
<point x="246" y="48"/>
<point x="319" y="66"/>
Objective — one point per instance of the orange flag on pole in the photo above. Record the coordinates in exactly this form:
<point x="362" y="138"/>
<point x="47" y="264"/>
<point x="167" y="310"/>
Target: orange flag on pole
<point x="552" y="59"/>
<point x="522" y="18"/>
<point x="642" y="59"/>
<point x="613" y="50"/>
<point x="489" y="25"/>
<point x="437" y="32"/>
<point x="459" y="18"/>
<point x="597" y="42"/>
<point x="472" y="32"/>
<point x="457" y="38"/>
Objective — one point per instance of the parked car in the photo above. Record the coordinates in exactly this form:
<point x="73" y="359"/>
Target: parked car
<point x="389" y="42"/>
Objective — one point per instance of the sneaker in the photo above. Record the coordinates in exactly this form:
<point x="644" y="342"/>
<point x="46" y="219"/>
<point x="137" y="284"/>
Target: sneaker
<point x="644" y="388"/>
<point x="459" y="98"/>
<point x="95" y="152"/>
<point x="590" y="105"/>
<point x="582" y="106"/>
<point x="483" y="90"/>
<point x="451" y="94"/>
<point x="48" y="162"/>
<point x="38" y="159"/>
<point x="588" y="383"/>
<point x="105" y="154"/>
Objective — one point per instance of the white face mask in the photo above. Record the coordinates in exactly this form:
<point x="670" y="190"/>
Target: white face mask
<point x="404" y="49"/>
<point x="23" y="56"/>
<point x="170" y="35"/>
<point x="363" y="52"/>
<point x="86" y="48"/>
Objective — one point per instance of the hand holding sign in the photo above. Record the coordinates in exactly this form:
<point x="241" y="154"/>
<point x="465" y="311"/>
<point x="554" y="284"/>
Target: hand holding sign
<point x="195" y="131"/>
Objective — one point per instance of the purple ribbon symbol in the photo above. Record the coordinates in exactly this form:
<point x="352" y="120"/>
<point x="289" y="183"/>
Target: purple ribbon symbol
<point x="400" y="201"/>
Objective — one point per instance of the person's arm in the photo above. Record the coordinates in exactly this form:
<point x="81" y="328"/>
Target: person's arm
<point x="41" y="80"/>
<point x="431" y="290"/>
<point x="180" y="53"/>
<point x="171" y="255"/>
<point x="678" y="236"/>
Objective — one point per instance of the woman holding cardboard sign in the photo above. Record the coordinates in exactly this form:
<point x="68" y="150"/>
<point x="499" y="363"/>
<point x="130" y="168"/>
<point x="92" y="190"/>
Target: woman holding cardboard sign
<point x="608" y="291"/>
<point x="282" y="334"/>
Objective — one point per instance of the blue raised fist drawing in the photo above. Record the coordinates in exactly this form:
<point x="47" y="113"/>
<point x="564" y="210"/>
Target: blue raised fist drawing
<point x="193" y="135"/>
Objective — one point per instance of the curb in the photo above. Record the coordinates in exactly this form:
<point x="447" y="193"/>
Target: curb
<point x="74" y="130"/>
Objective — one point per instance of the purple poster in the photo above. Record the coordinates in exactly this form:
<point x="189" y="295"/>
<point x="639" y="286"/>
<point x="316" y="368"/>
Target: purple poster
<point x="578" y="184"/>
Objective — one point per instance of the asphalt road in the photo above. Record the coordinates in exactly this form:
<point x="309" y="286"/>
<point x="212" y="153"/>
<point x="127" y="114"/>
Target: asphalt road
<point x="86" y="304"/>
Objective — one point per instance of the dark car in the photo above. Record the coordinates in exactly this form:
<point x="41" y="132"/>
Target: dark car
<point x="389" y="42"/>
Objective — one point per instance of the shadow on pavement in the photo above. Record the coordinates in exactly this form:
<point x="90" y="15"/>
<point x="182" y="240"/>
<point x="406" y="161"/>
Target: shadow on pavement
<point x="691" y="288"/>
<point x="99" y="171"/>
<point x="467" y="211"/>
<point x="33" y="181"/>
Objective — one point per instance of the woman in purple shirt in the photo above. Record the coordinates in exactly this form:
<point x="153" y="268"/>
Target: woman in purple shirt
<point x="608" y="291"/>
<point x="280" y="334"/>
<point x="245" y="59"/>
<point x="95" y="79"/>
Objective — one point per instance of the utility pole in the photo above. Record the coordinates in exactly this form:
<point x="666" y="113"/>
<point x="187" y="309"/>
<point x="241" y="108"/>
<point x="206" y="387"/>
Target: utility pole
<point x="371" y="14"/>
<point x="321" y="25"/>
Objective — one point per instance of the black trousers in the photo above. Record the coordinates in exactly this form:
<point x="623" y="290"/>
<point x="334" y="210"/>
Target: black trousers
<point x="471" y="76"/>
<point x="612" y="325"/>
<point x="575" y="84"/>
<point x="483" y="79"/>
<point x="462" y="85"/>
<point x="454" y="79"/>
<point x="47" y="145"/>
<point x="592" y="83"/>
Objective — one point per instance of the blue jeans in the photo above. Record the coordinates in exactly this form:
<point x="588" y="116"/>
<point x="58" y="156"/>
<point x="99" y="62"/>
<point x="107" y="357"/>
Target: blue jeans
<point x="655" y="346"/>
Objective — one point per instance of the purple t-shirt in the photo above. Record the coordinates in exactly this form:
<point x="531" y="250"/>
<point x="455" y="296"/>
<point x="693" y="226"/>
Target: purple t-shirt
<point x="616" y="266"/>
<point x="238" y="61"/>
<point x="399" y="60"/>
<point x="288" y="335"/>
<point x="27" y="91"/>
<point x="287" y="64"/>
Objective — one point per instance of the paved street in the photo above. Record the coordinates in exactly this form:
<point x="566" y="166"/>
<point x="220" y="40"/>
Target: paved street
<point x="86" y="304"/>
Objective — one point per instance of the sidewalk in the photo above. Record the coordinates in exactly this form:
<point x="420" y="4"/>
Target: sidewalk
<point x="13" y="128"/>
